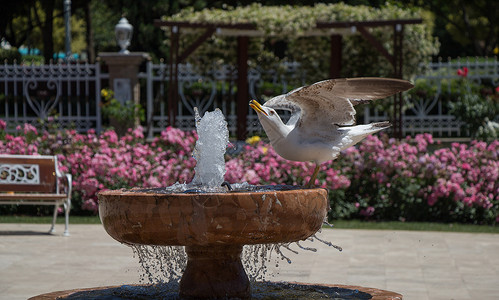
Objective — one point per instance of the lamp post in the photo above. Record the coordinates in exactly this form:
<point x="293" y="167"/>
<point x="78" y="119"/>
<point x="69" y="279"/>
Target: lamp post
<point x="123" y="31"/>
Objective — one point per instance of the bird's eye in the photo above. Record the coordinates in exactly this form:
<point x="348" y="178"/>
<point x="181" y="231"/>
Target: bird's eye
<point x="272" y="112"/>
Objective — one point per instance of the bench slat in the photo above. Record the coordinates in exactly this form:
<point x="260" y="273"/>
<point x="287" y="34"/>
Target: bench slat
<point x="47" y="174"/>
<point x="32" y="197"/>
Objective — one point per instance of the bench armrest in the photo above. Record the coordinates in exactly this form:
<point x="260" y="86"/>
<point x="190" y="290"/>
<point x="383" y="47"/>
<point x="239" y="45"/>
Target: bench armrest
<point x="68" y="182"/>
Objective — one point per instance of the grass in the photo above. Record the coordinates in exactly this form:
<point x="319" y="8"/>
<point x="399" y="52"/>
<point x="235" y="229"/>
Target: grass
<point x="48" y="219"/>
<point x="415" y="226"/>
<point x="473" y="59"/>
<point x="340" y="224"/>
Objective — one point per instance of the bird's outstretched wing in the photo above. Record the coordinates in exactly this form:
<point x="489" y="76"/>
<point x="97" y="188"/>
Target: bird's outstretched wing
<point x="331" y="101"/>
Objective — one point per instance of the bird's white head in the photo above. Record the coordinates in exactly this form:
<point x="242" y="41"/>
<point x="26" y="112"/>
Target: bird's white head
<point x="271" y="122"/>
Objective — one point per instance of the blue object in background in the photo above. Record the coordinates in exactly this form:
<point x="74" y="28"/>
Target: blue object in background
<point x="29" y="51"/>
<point x="35" y="51"/>
<point x="62" y="55"/>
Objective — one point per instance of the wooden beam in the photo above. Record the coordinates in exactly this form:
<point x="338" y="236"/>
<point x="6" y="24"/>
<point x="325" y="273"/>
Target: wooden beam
<point x="161" y="23"/>
<point x="376" y="44"/>
<point x="209" y="32"/>
<point x="242" y="87"/>
<point x="335" y="59"/>
<point x="375" y="23"/>
<point x="398" y="38"/>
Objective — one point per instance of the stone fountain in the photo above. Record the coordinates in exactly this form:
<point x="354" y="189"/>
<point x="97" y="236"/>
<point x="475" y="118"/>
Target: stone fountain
<point x="214" y="224"/>
<point x="213" y="227"/>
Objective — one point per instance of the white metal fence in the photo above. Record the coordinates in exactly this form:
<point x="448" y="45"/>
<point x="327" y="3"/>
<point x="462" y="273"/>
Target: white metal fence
<point x="69" y="95"/>
<point x="56" y="95"/>
<point x="217" y="89"/>
<point x="429" y="113"/>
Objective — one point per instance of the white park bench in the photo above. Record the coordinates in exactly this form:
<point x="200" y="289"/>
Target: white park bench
<point x="34" y="180"/>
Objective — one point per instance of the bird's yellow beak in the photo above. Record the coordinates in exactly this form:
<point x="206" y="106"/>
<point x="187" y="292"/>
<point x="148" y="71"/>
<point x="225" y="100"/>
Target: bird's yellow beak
<point x="257" y="107"/>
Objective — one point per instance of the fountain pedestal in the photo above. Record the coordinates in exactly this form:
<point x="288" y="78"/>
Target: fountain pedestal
<point x="216" y="271"/>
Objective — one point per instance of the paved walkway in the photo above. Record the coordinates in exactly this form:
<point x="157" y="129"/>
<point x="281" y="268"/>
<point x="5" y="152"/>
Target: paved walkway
<point x="419" y="265"/>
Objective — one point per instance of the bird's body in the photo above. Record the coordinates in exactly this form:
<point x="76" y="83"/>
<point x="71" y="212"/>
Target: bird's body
<point x="321" y="146"/>
<point x="323" y="117"/>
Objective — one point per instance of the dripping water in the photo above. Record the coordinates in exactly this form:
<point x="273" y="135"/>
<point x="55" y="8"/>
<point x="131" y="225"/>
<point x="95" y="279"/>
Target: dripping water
<point x="166" y="264"/>
<point x="160" y="264"/>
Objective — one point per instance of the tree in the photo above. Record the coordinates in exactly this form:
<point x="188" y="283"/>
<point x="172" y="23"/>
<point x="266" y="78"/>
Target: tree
<point x="37" y="23"/>
<point x="89" y="32"/>
<point x="474" y="25"/>
<point x="47" y="26"/>
<point x="17" y="33"/>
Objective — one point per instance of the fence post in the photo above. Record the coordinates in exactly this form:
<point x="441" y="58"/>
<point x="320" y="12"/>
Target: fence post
<point x="150" y="104"/>
<point x="242" y="86"/>
<point x="98" y="115"/>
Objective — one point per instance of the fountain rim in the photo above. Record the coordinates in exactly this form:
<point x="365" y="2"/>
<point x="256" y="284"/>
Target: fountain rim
<point x="377" y="294"/>
<point x="135" y="217"/>
<point x="149" y="192"/>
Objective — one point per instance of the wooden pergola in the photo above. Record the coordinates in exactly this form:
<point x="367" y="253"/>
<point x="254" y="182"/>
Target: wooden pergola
<point x="243" y="31"/>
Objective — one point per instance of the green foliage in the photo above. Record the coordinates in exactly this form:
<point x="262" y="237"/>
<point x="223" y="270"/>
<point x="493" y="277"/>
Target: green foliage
<point x="478" y="114"/>
<point x="293" y="25"/>
<point x="78" y="32"/>
<point x="463" y="27"/>
<point x="476" y="105"/>
<point x="10" y="55"/>
<point x="33" y="59"/>
<point x="103" y="22"/>
<point x="121" y="115"/>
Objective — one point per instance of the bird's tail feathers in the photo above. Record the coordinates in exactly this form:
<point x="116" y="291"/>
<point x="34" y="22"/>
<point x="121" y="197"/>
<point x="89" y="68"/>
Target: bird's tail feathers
<point x="380" y="125"/>
<point x="366" y="129"/>
<point x="359" y="132"/>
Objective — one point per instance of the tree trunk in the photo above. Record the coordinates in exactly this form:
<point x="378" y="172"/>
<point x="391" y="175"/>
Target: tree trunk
<point x="47" y="28"/>
<point x="90" y="33"/>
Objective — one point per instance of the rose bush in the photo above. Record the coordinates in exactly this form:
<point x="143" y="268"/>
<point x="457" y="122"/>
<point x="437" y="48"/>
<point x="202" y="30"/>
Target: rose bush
<point x="413" y="179"/>
<point x="404" y="180"/>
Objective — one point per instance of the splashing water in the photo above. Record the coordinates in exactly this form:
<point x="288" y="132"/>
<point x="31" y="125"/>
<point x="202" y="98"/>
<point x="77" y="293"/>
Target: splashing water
<point x="209" y="152"/>
<point x="213" y="138"/>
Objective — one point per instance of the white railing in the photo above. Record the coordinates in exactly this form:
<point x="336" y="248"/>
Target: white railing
<point x="64" y="95"/>
<point x="430" y="114"/>
<point x="69" y="95"/>
<point x="215" y="90"/>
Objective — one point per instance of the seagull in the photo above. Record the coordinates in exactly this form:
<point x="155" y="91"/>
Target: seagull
<point x="323" y="117"/>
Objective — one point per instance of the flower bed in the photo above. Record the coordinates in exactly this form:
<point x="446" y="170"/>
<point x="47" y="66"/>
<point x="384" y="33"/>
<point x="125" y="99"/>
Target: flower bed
<point x="381" y="179"/>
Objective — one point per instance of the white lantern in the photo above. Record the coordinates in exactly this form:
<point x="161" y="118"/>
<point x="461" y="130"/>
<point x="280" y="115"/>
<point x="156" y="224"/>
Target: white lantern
<point x="123" y="31"/>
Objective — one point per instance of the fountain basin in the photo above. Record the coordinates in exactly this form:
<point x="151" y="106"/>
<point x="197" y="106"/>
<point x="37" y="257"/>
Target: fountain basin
<point x="267" y="291"/>
<point x="208" y="219"/>
<point x="213" y="227"/>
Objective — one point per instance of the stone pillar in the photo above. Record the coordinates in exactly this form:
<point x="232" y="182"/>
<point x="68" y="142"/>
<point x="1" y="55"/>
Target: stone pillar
<point x="123" y="70"/>
<point x="123" y="75"/>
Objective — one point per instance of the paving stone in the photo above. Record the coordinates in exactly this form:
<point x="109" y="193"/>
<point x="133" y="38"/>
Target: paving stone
<point x="419" y="265"/>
